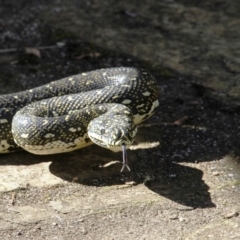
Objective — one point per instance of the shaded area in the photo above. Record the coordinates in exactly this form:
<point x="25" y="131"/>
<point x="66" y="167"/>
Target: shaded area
<point x="186" y="188"/>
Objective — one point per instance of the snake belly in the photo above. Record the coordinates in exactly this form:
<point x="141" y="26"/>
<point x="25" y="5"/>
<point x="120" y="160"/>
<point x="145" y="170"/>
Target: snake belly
<point x="90" y="94"/>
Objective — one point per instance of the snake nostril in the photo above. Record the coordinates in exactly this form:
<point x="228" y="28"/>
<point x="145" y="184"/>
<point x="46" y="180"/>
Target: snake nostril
<point x="102" y="131"/>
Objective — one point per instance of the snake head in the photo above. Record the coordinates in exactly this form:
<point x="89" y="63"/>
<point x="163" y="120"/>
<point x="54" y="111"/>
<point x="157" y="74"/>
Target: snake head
<point x="113" y="129"/>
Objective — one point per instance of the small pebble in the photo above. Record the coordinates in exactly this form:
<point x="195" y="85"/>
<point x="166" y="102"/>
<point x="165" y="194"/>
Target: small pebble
<point x="230" y="215"/>
<point x="216" y="173"/>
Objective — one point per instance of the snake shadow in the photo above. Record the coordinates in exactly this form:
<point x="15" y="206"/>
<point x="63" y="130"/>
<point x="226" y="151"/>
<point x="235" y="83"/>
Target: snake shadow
<point x="151" y="163"/>
<point x="178" y="183"/>
<point x="186" y="187"/>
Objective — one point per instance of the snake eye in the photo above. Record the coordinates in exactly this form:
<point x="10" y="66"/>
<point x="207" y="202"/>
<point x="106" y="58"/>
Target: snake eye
<point x="118" y="134"/>
<point x="102" y="131"/>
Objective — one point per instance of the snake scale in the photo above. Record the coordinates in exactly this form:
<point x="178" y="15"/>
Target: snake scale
<point x="102" y="106"/>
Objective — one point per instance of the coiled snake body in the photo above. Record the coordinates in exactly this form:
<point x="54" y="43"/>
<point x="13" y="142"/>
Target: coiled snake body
<point x="103" y="106"/>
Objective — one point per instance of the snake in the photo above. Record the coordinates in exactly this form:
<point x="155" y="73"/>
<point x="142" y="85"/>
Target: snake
<point x="102" y="106"/>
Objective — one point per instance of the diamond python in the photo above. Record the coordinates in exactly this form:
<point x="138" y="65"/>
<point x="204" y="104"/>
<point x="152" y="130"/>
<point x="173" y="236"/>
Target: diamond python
<point x="102" y="106"/>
